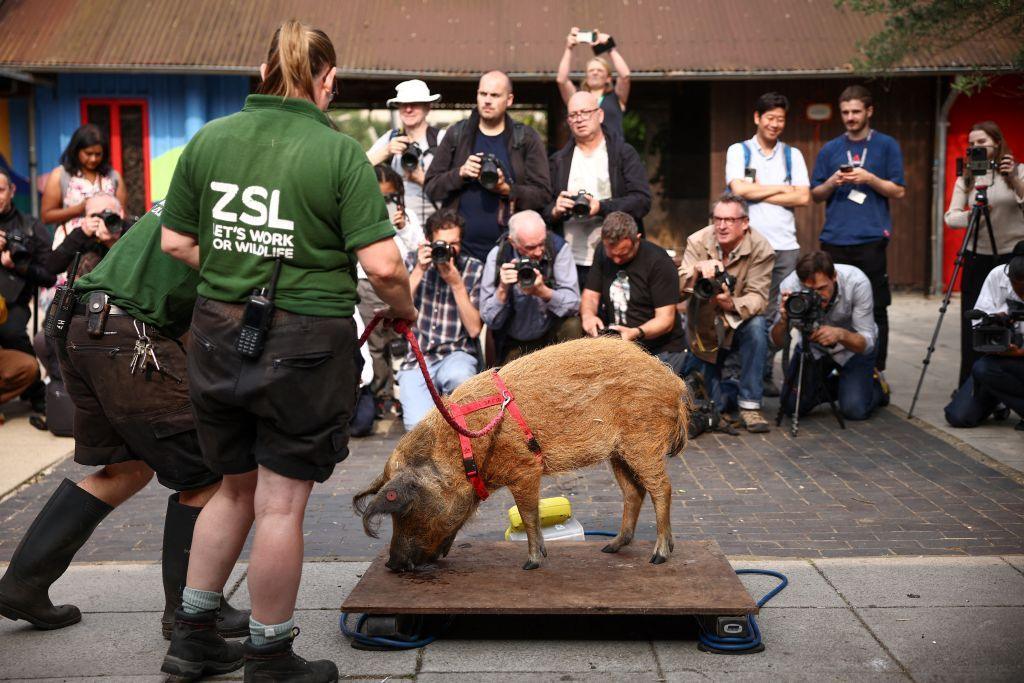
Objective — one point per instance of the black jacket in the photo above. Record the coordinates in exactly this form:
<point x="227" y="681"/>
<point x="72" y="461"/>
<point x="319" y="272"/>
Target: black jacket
<point x="532" y="186"/>
<point x="631" y="192"/>
<point x="19" y="285"/>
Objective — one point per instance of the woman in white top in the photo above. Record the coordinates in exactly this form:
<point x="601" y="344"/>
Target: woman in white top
<point x="1004" y="184"/>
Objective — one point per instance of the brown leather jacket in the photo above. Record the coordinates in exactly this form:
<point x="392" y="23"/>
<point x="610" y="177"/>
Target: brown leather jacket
<point x="750" y="263"/>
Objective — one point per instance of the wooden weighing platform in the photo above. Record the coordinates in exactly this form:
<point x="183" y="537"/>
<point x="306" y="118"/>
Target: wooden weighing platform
<point x="576" y="578"/>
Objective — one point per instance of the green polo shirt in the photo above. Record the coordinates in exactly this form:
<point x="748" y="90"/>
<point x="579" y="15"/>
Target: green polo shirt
<point x="143" y="280"/>
<point x="277" y="179"/>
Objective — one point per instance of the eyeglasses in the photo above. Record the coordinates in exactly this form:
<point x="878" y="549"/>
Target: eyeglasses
<point x="394" y="198"/>
<point x="722" y="220"/>
<point x="581" y="115"/>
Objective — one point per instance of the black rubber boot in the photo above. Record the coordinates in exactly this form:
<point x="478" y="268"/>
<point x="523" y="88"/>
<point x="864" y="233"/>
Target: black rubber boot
<point x="58" y="532"/>
<point x="197" y="649"/>
<point x="276" y="662"/>
<point x="179" y="523"/>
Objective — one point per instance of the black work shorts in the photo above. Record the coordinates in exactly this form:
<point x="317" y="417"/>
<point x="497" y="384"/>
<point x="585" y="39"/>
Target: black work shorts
<point x="289" y="409"/>
<point x="120" y="416"/>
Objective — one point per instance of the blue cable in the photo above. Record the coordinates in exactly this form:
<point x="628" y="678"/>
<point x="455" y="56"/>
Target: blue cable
<point x="379" y="641"/>
<point x="738" y="643"/>
<point x="609" y="534"/>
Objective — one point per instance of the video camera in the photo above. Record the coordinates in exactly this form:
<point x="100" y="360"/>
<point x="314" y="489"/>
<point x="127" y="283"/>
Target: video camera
<point x="705" y="288"/>
<point x="804" y="309"/>
<point x="441" y="252"/>
<point x="489" y="167"/>
<point x="17" y="246"/>
<point x="526" y="270"/>
<point x="581" y="204"/>
<point x="996" y="333"/>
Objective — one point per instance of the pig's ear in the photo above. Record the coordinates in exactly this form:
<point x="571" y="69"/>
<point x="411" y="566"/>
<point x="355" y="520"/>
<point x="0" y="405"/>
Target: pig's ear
<point x="395" y="498"/>
<point x="359" y="501"/>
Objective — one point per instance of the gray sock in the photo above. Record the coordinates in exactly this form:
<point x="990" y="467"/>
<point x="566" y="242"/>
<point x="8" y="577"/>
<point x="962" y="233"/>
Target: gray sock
<point x="263" y="634"/>
<point x="194" y="601"/>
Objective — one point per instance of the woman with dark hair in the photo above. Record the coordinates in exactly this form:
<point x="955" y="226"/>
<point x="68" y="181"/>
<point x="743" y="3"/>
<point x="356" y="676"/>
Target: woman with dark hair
<point x="84" y="171"/>
<point x="1004" y="183"/>
<point x="611" y="93"/>
<point x="272" y="196"/>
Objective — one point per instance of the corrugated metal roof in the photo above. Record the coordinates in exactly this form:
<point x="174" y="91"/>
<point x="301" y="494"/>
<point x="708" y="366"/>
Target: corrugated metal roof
<point x="460" y="38"/>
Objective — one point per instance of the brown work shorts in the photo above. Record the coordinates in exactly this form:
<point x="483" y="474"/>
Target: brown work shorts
<point x="120" y="416"/>
<point x="289" y="409"/>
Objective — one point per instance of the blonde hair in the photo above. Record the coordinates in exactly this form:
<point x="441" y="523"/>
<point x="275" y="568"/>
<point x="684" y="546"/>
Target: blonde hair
<point x="297" y="55"/>
<point x="608" y="87"/>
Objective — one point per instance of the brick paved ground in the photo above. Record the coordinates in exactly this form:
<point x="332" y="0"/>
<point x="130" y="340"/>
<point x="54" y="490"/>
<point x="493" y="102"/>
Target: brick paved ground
<point x="884" y="487"/>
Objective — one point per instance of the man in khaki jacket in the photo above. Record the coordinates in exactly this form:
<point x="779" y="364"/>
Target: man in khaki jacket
<point x="728" y="317"/>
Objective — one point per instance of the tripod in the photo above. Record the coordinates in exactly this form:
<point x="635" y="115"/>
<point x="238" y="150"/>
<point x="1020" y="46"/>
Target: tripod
<point x="806" y="356"/>
<point x="979" y="211"/>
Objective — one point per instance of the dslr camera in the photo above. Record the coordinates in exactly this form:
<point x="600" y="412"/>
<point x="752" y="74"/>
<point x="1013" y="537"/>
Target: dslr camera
<point x="17" y="246"/>
<point x="996" y="333"/>
<point x="978" y="162"/>
<point x="441" y="252"/>
<point x="410" y="159"/>
<point x="581" y="204"/>
<point x="804" y="309"/>
<point x="489" y="166"/>
<point x="114" y="223"/>
<point x="706" y="288"/>
<point x="526" y="270"/>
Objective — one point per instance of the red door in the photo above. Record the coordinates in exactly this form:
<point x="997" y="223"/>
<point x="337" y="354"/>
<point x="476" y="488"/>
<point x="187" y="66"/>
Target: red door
<point x="126" y="124"/>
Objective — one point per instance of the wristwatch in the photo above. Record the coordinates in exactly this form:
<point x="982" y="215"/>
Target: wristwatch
<point x="640" y="333"/>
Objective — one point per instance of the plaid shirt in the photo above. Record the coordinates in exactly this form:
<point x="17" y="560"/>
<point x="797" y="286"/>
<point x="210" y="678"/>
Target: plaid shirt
<point x="439" y="330"/>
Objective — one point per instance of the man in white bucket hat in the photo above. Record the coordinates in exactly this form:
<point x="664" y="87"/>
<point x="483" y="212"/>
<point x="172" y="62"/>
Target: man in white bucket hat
<point x="410" y="148"/>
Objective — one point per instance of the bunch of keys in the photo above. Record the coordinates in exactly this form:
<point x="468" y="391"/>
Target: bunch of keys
<point x="144" y="358"/>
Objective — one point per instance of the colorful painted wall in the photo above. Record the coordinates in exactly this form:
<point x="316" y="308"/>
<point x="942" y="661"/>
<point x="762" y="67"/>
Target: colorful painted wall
<point x="178" y="106"/>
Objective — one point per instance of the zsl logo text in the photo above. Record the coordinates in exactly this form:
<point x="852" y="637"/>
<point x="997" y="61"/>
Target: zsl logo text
<point x="262" y="211"/>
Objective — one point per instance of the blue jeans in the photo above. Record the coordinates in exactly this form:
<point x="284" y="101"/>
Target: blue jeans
<point x="447" y="374"/>
<point x="750" y="341"/>
<point x="993" y="379"/>
<point x="855" y="389"/>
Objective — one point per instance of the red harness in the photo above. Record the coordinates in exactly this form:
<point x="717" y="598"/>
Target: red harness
<point x="505" y="399"/>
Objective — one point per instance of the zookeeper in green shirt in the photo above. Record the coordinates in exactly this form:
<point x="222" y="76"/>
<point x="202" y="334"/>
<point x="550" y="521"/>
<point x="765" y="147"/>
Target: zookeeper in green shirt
<point x="276" y="181"/>
<point x="130" y="421"/>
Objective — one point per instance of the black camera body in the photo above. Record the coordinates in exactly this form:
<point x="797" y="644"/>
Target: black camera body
<point x="489" y="167"/>
<point x="112" y="220"/>
<point x="441" y="252"/>
<point x="977" y="161"/>
<point x="410" y="159"/>
<point x="581" y="204"/>
<point x="706" y="288"/>
<point x="17" y="246"/>
<point x="526" y="269"/>
<point x="804" y="309"/>
<point x="996" y="333"/>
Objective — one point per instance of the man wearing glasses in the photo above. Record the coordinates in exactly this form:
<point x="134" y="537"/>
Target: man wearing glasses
<point x="596" y="173"/>
<point x="730" y="320"/>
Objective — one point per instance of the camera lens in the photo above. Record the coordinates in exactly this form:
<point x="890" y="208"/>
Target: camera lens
<point x="526" y="275"/>
<point x="440" y="252"/>
<point x="411" y="157"/>
<point x="488" y="171"/>
<point x="581" y="205"/>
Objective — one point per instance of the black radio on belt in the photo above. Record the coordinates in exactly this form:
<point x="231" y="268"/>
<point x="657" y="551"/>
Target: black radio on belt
<point x="258" y="317"/>
<point x="62" y="308"/>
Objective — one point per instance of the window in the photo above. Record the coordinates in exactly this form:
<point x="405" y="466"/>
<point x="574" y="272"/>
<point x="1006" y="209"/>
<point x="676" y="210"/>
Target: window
<point x="126" y="125"/>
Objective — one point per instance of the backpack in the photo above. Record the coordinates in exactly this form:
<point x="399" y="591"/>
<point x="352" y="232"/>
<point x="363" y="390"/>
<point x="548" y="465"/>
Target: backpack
<point x="787" y="152"/>
<point x="455" y="132"/>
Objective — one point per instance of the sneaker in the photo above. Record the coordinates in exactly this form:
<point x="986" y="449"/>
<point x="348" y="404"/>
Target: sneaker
<point x="770" y="389"/>
<point x="754" y="421"/>
<point x="886" y="389"/>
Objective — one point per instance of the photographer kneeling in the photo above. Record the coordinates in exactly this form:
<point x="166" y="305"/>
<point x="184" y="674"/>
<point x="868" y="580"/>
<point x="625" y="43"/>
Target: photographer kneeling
<point x="532" y="298"/>
<point x="832" y="305"/>
<point x="998" y="376"/>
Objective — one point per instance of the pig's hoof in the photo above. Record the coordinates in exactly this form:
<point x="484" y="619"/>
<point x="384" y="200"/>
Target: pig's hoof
<point x="530" y="564"/>
<point x="610" y="548"/>
<point x="658" y="558"/>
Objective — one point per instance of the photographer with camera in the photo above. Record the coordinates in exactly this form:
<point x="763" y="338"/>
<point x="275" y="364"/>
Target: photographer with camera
<point x="725" y="274"/>
<point x="832" y="307"/>
<point x="101" y="227"/>
<point x="410" y="149"/>
<point x="596" y="173"/>
<point x="856" y="174"/>
<point x="992" y="172"/>
<point x="488" y="167"/>
<point x="998" y="336"/>
<point x="772" y="177"/>
<point x="445" y="286"/>
<point x="632" y="291"/>
<point x="530" y="297"/>
<point x="610" y="94"/>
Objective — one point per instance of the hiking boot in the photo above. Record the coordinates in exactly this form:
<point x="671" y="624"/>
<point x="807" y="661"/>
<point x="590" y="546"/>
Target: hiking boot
<point x="179" y="523"/>
<point x="59" y="530"/>
<point x="197" y="649"/>
<point x="277" y="662"/>
<point x="754" y="421"/>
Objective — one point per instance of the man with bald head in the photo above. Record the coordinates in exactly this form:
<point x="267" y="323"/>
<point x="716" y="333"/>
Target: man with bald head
<point x="461" y="176"/>
<point x="596" y="173"/>
<point x="94" y="235"/>
<point x="529" y="296"/>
